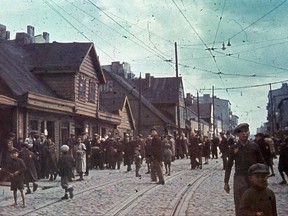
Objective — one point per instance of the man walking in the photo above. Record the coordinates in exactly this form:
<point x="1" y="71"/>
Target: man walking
<point x="157" y="157"/>
<point x="245" y="154"/>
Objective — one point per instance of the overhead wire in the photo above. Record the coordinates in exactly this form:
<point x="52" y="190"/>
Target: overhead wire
<point x="220" y="19"/>
<point x="73" y="26"/>
<point x="203" y="42"/>
<point x="250" y="86"/>
<point x="253" y="23"/>
<point x="144" y="46"/>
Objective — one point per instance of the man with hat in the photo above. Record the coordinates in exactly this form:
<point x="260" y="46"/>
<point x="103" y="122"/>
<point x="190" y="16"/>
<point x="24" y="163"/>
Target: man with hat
<point x="245" y="154"/>
<point x="157" y="157"/>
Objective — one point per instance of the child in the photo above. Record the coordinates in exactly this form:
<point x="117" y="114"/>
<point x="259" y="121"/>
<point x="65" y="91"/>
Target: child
<point x="65" y="166"/>
<point x="258" y="200"/>
<point x="15" y="167"/>
<point x="167" y="158"/>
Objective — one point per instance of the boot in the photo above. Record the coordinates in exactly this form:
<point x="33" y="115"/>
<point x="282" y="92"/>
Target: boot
<point x="65" y="197"/>
<point x="55" y="176"/>
<point x="70" y="190"/>
<point x="28" y="191"/>
<point x="35" y="186"/>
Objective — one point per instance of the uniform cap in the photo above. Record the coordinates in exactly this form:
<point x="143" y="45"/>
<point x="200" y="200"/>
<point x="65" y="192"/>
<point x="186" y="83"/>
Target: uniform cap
<point x="240" y="127"/>
<point x="24" y="145"/>
<point x="13" y="150"/>
<point x="64" y="148"/>
<point x="259" y="135"/>
<point x="258" y="168"/>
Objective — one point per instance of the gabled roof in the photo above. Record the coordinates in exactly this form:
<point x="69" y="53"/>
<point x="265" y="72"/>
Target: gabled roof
<point x="61" y="57"/>
<point x="116" y="106"/>
<point x="14" y="71"/>
<point x="112" y="104"/>
<point x="161" y="89"/>
<point x="125" y="84"/>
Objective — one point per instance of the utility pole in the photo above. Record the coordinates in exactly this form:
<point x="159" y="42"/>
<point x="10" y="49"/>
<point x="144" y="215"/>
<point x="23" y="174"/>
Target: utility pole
<point x="213" y="111"/>
<point x="272" y="110"/>
<point x="198" y="113"/>
<point x="178" y="105"/>
<point x="140" y="106"/>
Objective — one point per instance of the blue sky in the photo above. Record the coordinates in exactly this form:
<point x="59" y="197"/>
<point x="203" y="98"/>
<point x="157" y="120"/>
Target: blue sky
<point x="143" y="33"/>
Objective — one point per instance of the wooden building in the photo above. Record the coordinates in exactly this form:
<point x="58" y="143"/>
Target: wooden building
<point x="143" y="111"/>
<point x="51" y="88"/>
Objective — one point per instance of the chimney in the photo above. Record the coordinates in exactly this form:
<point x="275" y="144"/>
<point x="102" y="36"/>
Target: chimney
<point x="31" y="32"/>
<point x="23" y="38"/>
<point x="46" y="37"/>
<point x="7" y="35"/>
<point x="148" y="79"/>
<point x="115" y="66"/>
<point x="2" y="31"/>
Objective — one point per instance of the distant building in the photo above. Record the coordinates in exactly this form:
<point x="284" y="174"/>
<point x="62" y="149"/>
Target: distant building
<point x="276" y="110"/>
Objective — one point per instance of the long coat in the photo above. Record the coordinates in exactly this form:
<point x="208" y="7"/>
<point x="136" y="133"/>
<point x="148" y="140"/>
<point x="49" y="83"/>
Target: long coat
<point x="50" y="158"/>
<point x="30" y="173"/>
<point x="80" y="157"/>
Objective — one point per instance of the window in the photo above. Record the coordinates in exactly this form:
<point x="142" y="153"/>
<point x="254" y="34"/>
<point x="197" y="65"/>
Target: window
<point x="82" y="88"/>
<point x="92" y="92"/>
<point x="108" y="87"/>
<point x="33" y="124"/>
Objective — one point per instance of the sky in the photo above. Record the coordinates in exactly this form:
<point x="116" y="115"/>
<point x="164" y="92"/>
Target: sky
<point x="143" y="33"/>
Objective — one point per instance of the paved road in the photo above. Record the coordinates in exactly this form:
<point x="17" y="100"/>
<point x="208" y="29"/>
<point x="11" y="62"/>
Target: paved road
<point x="117" y="192"/>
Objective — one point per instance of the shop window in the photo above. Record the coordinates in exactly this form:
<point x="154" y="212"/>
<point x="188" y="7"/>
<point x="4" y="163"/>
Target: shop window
<point x="33" y="124"/>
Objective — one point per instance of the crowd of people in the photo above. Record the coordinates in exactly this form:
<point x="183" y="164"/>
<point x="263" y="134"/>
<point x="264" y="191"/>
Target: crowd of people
<point x="83" y="153"/>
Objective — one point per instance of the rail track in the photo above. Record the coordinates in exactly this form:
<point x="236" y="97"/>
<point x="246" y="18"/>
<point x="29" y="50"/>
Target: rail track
<point x="127" y="202"/>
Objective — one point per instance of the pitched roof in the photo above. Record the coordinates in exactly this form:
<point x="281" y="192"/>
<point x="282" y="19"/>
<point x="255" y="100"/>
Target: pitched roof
<point x="56" y="56"/>
<point x="161" y="89"/>
<point x="61" y="57"/>
<point x="123" y="82"/>
<point x="116" y="105"/>
<point x="14" y="71"/>
<point x="112" y="104"/>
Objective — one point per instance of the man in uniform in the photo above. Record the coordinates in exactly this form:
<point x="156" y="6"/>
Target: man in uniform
<point x="245" y="154"/>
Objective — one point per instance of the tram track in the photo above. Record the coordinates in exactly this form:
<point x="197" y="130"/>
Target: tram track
<point x="125" y="194"/>
<point x="187" y="193"/>
<point x="175" y="207"/>
<point x="80" y="193"/>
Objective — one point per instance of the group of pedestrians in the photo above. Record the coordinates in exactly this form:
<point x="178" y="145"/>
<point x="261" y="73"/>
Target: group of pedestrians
<point x="36" y="158"/>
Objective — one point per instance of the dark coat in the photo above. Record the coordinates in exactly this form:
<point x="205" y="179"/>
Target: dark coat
<point x="265" y="150"/>
<point x="283" y="158"/>
<point x="65" y="166"/>
<point x="29" y="157"/>
<point x="157" y="148"/>
<point x="13" y="165"/>
<point x="128" y="152"/>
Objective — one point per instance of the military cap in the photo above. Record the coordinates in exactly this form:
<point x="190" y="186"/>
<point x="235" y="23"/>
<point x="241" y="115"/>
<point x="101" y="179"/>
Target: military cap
<point x="24" y="145"/>
<point x="13" y="150"/>
<point x="240" y="127"/>
<point x="259" y="135"/>
<point x="258" y="168"/>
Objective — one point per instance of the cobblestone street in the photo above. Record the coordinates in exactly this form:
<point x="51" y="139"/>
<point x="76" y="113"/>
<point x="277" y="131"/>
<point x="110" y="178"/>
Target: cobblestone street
<point x="117" y="192"/>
